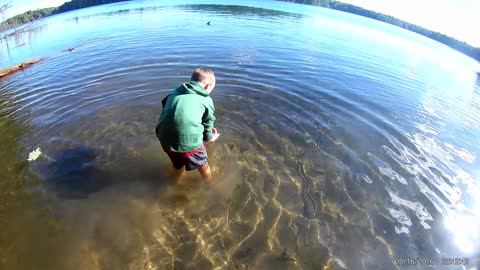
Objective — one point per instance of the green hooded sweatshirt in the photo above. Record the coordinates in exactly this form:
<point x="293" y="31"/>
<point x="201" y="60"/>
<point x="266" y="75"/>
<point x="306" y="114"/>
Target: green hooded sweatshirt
<point x="187" y="118"/>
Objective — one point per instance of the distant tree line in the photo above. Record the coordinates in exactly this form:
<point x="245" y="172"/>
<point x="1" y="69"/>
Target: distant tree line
<point x="449" y="41"/>
<point x="77" y="4"/>
<point x="26" y="18"/>
<point x="40" y="13"/>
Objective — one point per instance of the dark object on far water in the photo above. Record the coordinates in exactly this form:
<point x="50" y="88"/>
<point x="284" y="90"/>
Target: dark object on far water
<point x="208" y="23"/>
<point x="70" y="49"/>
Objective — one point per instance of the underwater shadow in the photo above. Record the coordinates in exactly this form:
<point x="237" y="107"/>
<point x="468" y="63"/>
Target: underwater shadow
<point x="74" y="170"/>
<point x="72" y="173"/>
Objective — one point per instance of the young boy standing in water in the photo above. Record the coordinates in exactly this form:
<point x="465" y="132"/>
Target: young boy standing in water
<point x="186" y="122"/>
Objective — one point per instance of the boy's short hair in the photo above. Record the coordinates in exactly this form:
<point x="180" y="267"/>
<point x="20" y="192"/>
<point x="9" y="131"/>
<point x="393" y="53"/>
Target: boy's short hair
<point x="204" y="75"/>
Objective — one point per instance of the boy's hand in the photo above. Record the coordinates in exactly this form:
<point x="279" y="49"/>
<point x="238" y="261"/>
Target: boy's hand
<point x="215" y="135"/>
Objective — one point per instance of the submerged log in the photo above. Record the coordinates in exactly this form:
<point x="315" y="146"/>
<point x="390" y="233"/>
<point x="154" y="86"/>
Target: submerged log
<point x="21" y="66"/>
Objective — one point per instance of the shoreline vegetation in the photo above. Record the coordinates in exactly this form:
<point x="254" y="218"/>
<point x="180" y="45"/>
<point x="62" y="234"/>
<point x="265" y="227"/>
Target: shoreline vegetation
<point x="455" y="44"/>
<point x="30" y="16"/>
<point x="33" y="15"/>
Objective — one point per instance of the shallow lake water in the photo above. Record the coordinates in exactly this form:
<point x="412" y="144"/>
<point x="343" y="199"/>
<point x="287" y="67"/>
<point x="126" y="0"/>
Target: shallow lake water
<point x="346" y="143"/>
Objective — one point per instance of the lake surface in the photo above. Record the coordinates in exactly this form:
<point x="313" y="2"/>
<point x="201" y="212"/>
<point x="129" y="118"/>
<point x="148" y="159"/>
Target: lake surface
<point x="346" y="143"/>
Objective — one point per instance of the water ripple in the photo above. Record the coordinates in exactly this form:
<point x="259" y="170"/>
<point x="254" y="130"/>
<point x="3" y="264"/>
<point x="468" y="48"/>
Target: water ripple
<point x="340" y="149"/>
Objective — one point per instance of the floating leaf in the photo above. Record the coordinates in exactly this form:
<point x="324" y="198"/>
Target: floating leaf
<point x="34" y="154"/>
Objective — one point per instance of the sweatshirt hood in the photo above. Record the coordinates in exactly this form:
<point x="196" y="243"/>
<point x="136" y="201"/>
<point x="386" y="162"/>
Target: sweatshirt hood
<point x="192" y="88"/>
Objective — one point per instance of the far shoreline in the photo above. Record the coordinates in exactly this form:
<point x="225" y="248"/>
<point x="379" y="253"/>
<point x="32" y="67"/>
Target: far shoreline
<point x="460" y="46"/>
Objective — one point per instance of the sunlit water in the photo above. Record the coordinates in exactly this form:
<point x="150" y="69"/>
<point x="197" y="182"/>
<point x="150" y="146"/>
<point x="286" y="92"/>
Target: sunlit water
<point x="346" y="143"/>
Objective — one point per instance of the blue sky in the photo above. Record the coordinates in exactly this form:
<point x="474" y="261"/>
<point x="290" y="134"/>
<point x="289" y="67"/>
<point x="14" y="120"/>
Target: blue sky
<point x="456" y="18"/>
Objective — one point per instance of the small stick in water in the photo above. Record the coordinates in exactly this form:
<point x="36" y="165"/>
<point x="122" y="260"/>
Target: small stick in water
<point x="286" y="257"/>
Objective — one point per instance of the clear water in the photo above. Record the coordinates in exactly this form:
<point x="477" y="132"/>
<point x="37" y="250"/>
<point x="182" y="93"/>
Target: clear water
<point x="346" y="143"/>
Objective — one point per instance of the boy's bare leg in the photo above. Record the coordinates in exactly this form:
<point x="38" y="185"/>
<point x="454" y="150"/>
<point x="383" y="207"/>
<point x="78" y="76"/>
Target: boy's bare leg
<point x="206" y="173"/>
<point x="177" y="173"/>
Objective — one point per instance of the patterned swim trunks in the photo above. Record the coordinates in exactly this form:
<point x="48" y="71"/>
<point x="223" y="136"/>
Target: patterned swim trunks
<point x="191" y="160"/>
